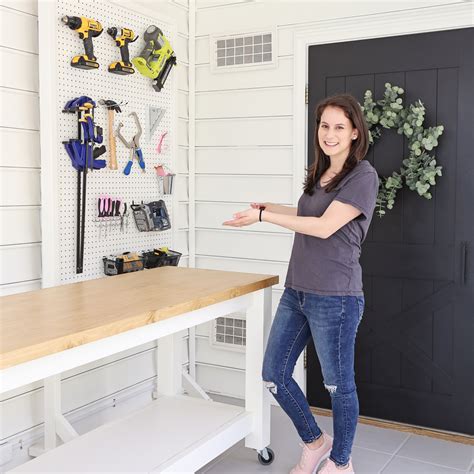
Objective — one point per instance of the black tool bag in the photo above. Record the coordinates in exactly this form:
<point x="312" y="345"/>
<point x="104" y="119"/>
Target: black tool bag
<point x="151" y="216"/>
<point x="159" y="213"/>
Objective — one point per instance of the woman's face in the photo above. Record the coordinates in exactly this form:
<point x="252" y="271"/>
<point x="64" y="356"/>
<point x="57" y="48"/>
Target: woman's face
<point x="335" y="133"/>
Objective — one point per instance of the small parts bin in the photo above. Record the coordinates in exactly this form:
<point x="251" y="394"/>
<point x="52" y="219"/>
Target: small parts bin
<point x="161" y="257"/>
<point x="125" y="263"/>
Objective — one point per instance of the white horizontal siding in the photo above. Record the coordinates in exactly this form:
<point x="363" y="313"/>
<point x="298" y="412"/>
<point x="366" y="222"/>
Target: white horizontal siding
<point x="257" y="15"/>
<point x="20" y="148"/>
<point x="169" y="10"/>
<point x="221" y="380"/>
<point x="20" y="187"/>
<point x="20" y="225"/>
<point x="181" y="48"/>
<point x="244" y="245"/>
<point x="25" y="6"/>
<point x="245" y="132"/>
<point x="208" y="354"/>
<point x="183" y="217"/>
<point x="183" y="73"/>
<point x="211" y="215"/>
<point x="20" y="287"/>
<point x="243" y="189"/>
<point x="183" y="98"/>
<point x="246" y="266"/>
<point x="20" y="109"/>
<point x="18" y="70"/>
<point x="20" y="263"/>
<point x="183" y="137"/>
<point x="245" y="160"/>
<point x="182" y="187"/>
<point x="200" y="4"/>
<point x="15" y="21"/>
<point x="182" y="164"/>
<point x="182" y="239"/>
<point x="245" y="103"/>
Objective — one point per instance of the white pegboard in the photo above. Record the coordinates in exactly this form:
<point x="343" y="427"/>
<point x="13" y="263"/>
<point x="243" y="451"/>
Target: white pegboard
<point x="137" y="91"/>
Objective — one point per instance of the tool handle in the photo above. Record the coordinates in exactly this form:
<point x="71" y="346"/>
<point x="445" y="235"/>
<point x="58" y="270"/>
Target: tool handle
<point x="128" y="168"/>
<point x="139" y="153"/>
<point x="89" y="47"/>
<point x="112" y="143"/>
<point x="125" y="53"/>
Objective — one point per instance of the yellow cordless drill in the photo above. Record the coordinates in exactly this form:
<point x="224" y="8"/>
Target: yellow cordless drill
<point x="87" y="30"/>
<point x="121" y="40"/>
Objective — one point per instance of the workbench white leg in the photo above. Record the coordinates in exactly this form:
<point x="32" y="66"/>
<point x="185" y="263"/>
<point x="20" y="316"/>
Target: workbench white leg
<point x="55" y="424"/>
<point x="257" y="398"/>
<point x="169" y="365"/>
<point x="52" y="405"/>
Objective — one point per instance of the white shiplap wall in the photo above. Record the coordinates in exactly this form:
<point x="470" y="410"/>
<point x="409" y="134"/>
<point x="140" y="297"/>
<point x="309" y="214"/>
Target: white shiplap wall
<point x="244" y="139"/>
<point x="20" y="197"/>
<point x="90" y="387"/>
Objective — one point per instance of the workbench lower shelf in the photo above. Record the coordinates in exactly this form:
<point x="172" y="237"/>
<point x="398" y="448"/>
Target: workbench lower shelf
<point x="172" y="434"/>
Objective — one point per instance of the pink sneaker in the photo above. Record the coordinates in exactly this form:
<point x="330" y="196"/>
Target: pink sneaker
<point x="311" y="458"/>
<point x="329" y="467"/>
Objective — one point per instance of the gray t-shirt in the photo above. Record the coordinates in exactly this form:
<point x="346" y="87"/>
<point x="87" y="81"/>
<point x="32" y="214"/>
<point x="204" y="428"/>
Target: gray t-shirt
<point x="331" y="266"/>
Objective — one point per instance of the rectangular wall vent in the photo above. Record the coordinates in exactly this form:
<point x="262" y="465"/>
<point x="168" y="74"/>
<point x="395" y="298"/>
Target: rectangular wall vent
<point x="229" y="332"/>
<point x="249" y="50"/>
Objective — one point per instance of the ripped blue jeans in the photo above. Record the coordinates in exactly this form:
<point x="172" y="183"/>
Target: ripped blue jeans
<point x="332" y="322"/>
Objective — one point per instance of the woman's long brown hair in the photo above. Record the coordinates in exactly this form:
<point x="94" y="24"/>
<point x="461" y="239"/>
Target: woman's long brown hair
<point x="359" y="146"/>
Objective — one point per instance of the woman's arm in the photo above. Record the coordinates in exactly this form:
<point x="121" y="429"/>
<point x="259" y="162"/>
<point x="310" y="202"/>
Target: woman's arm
<point x="336" y="215"/>
<point x="276" y="208"/>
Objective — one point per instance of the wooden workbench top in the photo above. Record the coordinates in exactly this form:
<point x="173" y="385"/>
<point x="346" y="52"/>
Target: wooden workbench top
<point x="43" y="322"/>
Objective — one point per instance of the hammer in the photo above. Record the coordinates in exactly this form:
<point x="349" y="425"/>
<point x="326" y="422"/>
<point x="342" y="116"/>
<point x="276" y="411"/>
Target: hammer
<point x="112" y="107"/>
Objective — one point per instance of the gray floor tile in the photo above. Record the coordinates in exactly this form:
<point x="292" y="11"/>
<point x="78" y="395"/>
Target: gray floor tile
<point x="379" y="439"/>
<point x="437" y="451"/>
<point x="368" y="462"/>
<point x="400" y="465"/>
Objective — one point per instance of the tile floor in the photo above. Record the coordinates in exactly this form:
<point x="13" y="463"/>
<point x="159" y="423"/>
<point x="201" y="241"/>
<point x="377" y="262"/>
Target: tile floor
<point x="376" y="450"/>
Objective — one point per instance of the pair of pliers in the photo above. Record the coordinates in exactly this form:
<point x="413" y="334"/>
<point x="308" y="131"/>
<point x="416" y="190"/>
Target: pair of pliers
<point x="134" y="145"/>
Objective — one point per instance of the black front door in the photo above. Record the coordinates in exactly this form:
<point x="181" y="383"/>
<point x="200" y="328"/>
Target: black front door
<point x="414" y="350"/>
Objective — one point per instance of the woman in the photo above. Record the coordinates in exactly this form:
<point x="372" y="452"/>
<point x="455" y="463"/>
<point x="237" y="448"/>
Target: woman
<point x="323" y="296"/>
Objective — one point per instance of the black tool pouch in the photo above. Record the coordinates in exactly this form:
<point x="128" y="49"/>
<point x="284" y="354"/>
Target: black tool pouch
<point x="160" y="216"/>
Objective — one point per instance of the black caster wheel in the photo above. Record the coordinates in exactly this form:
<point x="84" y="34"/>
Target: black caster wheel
<point x="269" y="458"/>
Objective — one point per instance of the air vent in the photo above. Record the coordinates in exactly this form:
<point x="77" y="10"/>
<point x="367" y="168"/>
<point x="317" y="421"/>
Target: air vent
<point x="230" y="332"/>
<point x="248" y="51"/>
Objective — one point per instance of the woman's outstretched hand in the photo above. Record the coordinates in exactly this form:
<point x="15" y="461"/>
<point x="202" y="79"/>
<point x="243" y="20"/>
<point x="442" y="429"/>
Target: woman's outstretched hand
<point x="243" y="218"/>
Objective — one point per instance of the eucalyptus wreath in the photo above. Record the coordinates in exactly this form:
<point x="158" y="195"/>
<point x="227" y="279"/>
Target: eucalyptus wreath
<point x="419" y="169"/>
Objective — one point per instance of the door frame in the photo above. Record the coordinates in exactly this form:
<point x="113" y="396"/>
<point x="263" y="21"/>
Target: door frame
<point x="403" y="22"/>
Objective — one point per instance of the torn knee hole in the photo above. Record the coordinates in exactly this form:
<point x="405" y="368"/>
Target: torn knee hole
<point x="271" y="386"/>
<point x="331" y="388"/>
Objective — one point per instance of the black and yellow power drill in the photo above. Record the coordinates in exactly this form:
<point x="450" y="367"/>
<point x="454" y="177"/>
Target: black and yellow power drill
<point x="87" y="30"/>
<point x="126" y="36"/>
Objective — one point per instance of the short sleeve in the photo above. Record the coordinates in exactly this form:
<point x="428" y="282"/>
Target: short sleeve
<point x="361" y="192"/>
